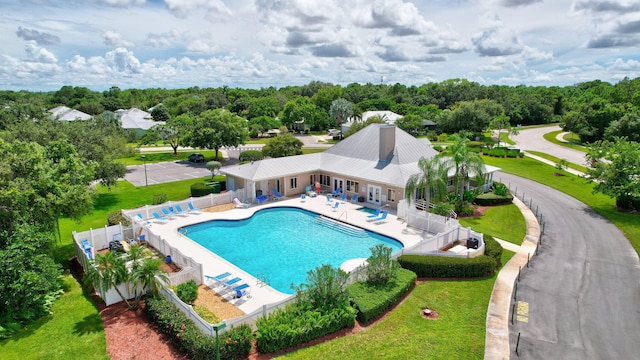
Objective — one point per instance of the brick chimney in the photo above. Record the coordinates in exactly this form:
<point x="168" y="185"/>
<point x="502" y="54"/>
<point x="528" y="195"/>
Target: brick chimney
<point x="387" y="142"/>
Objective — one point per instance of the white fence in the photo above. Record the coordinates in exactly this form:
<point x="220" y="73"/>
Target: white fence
<point x="431" y="245"/>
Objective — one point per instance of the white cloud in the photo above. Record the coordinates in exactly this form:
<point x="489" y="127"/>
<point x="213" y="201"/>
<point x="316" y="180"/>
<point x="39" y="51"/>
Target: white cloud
<point x="39" y="54"/>
<point x="123" y="60"/>
<point x="183" y="8"/>
<point x="41" y="38"/>
<point x="113" y="38"/>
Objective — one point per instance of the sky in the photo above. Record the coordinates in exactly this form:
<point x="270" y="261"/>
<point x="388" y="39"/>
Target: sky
<point x="46" y="44"/>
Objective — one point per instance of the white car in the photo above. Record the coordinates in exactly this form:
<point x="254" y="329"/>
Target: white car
<point x="333" y="132"/>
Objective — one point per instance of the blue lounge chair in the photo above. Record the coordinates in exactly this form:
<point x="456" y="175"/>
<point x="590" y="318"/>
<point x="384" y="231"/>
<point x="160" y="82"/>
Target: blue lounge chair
<point x="335" y="206"/>
<point x="277" y="195"/>
<point x="230" y="284"/>
<point x="354" y="199"/>
<point x="382" y="218"/>
<point x="87" y="248"/>
<point x="241" y="290"/>
<point x="374" y="216"/>
<point x="178" y="211"/>
<point x="336" y="192"/>
<point x="167" y="213"/>
<point x="329" y="200"/>
<point x="218" y="278"/>
<point x="343" y="198"/>
<point x="303" y="198"/>
<point x="159" y="218"/>
<point x="193" y="209"/>
<point x="262" y="198"/>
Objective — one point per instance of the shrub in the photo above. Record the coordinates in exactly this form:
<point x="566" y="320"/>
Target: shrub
<point x="380" y="267"/>
<point x="250" y="155"/>
<point x="188" y="291"/>
<point x="235" y="343"/>
<point x="466" y="210"/>
<point x="116" y="217"/>
<point x="493" y="249"/>
<point x="324" y="289"/>
<point x="448" y="267"/>
<point x="297" y="324"/>
<point x="438" y="148"/>
<point x="159" y="198"/>
<point x="201" y="189"/>
<point x="500" y="189"/>
<point x="372" y="300"/>
<point x="206" y="314"/>
<point x="489" y="199"/>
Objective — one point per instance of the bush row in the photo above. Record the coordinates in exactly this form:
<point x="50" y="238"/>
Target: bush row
<point x="493" y="249"/>
<point x="234" y="343"/>
<point x="501" y="152"/>
<point x="488" y="199"/>
<point x="297" y="324"/>
<point x="250" y="155"/>
<point x="372" y="300"/>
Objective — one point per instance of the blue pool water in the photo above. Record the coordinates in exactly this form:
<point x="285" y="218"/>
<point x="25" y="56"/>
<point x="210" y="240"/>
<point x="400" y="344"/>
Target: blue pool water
<point x="284" y="243"/>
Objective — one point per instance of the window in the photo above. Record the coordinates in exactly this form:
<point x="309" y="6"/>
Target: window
<point x="325" y="180"/>
<point x="450" y="182"/>
<point x="391" y="195"/>
<point x="294" y="183"/>
<point x="312" y="179"/>
<point x="352" y="186"/>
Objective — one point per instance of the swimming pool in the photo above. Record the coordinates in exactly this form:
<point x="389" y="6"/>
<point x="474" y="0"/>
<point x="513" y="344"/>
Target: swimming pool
<point x="284" y="243"/>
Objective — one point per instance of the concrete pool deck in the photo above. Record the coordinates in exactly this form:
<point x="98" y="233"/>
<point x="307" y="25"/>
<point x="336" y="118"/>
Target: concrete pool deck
<point x="261" y="295"/>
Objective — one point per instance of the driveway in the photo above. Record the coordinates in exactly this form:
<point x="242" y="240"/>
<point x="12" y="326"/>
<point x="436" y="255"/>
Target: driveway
<point x="583" y="287"/>
<point x="532" y="139"/>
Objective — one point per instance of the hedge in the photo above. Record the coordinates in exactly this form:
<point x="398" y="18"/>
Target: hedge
<point x="371" y="301"/>
<point x="250" y="155"/>
<point x="234" y="343"/>
<point x="454" y="267"/>
<point x="488" y="199"/>
<point x="297" y="325"/>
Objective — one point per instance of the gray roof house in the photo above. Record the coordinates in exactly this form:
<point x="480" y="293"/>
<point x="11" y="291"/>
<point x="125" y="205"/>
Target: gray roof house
<point x="68" y="114"/>
<point x="136" y="119"/>
<point x="374" y="163"/>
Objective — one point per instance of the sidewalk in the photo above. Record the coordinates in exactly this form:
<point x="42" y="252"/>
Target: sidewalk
<point x="497" y="337"/>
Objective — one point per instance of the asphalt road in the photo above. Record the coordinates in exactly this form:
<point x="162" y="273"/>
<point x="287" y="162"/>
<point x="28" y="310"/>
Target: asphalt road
<point x="580" y="296"/>
<point x="532" y="139"/>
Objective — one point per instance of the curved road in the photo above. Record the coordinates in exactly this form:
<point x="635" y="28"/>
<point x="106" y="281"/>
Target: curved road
<point x="583" y="287"/>
<point x="532" y="139"/>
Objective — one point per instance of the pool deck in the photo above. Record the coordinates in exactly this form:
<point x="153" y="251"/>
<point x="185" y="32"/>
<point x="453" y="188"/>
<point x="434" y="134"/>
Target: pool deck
<point x="261" y="295"/>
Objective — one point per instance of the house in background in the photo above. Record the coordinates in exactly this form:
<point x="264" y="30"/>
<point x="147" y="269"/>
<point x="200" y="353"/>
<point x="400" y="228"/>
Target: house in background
<point x="64" y="113"/>
<point x="389" y="117"/>
<point x="374" y="164"/>
<point x="136" y="120"/>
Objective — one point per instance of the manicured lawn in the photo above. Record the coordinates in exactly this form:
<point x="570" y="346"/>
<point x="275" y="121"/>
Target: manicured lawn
<point x="575" y="186"/>
<point x="551" y="137"/>
<point x="458" y="333"/>
<point x="557" y="160"/>
<point x="503" y="222"/>
<point x="74" y="330"/>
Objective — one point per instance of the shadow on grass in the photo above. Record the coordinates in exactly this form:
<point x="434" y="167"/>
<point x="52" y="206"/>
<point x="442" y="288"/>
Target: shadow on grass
<point x="89" y="324"/>
<point x="105" y="201"/>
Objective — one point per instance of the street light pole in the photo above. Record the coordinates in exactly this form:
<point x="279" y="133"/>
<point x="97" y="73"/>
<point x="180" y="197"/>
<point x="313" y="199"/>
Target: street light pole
<point x="217" y="327"/>
<point x="144" y="159"/>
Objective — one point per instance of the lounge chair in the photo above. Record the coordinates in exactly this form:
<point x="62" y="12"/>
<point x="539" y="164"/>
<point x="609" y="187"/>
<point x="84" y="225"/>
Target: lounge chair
<point x="239" y="204"/>
<point x="241" y="290"/>
<point x="87" y="248"/>
<point x="178" y="211"/>
<point x="277" y="195"/>
<point x="303" y="198"/>
<point x="262" y="198"/>
<point x="193" y="209"/>
<point x="168" y="213"/>
<point x="373" y="216"/>
<point x="230" y="284"/>
<point x="218" y="278"/>
<point x="336" y="192"/>
<point x="354" y="199"/>
<point x="329" y="200"/>
<point x="159" y="218"/>
<point x="335" y="206"/>
<point x="382" y="218"/>
<point x="343" y="198"/>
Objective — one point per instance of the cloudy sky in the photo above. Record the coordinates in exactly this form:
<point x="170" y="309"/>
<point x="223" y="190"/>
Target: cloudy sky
<point x="46" y="44"/>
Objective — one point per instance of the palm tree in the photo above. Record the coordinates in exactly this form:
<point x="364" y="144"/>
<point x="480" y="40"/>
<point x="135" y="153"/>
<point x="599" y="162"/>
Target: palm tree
<point x="148" y="276"/>
<point x="465" y="162"/>
<point x="431" y="180"/>
<point x="107" y="271"/>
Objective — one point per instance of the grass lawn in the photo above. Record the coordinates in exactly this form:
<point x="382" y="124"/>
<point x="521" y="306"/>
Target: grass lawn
<point x="557" y="160"/>
<point x="574" y="186"/>
<point x="551" y="137"/>
<point x="503" y="222"/>
<point x="458" y="333"/>
<point x="154" y="157"/>
<point x="73" y="330"/>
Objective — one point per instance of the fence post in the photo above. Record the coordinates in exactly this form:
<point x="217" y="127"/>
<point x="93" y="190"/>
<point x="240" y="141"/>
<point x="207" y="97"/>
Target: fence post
<point x="518" y="344"/>
<point x="515" y="291"/>
<point x="519" y="269"/>
<point x="513" y="311"/>
<point x="528" y="259"/>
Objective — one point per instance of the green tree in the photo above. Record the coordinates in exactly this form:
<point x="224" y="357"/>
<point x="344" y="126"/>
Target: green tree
<point x="263" y="106"/>
<point x="359" y="125"/>
<point x="340" y="111"/>
<point x="430" y="183"/>
<point x="282" y="145"/>
<point x="302" y="109"/>
<point x="614" y="165"/>
<point x="262" y="124"/>
<point x="380" y="268"/>
<point x="628" y="125"/>
<point x="501" y="122"/>
<point x="213" y="166"/>
<point x="411" y="124"/>
<point x="465" y="164"/>
<point x="216" y="128"/>
<point x="324" y="289"/>
<point x="160" y="113"/>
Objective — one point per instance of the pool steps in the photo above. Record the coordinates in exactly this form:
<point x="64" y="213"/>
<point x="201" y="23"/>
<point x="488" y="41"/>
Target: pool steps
<point x="342" y="227"/>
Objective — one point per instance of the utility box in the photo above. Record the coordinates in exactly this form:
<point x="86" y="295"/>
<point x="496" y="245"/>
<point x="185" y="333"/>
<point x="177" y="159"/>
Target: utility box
<point x="472" y="243"/>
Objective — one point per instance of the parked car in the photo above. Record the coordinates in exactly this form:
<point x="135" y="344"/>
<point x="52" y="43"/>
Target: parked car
<point x="196" y="158"/>
<point x="334" y="132"/>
